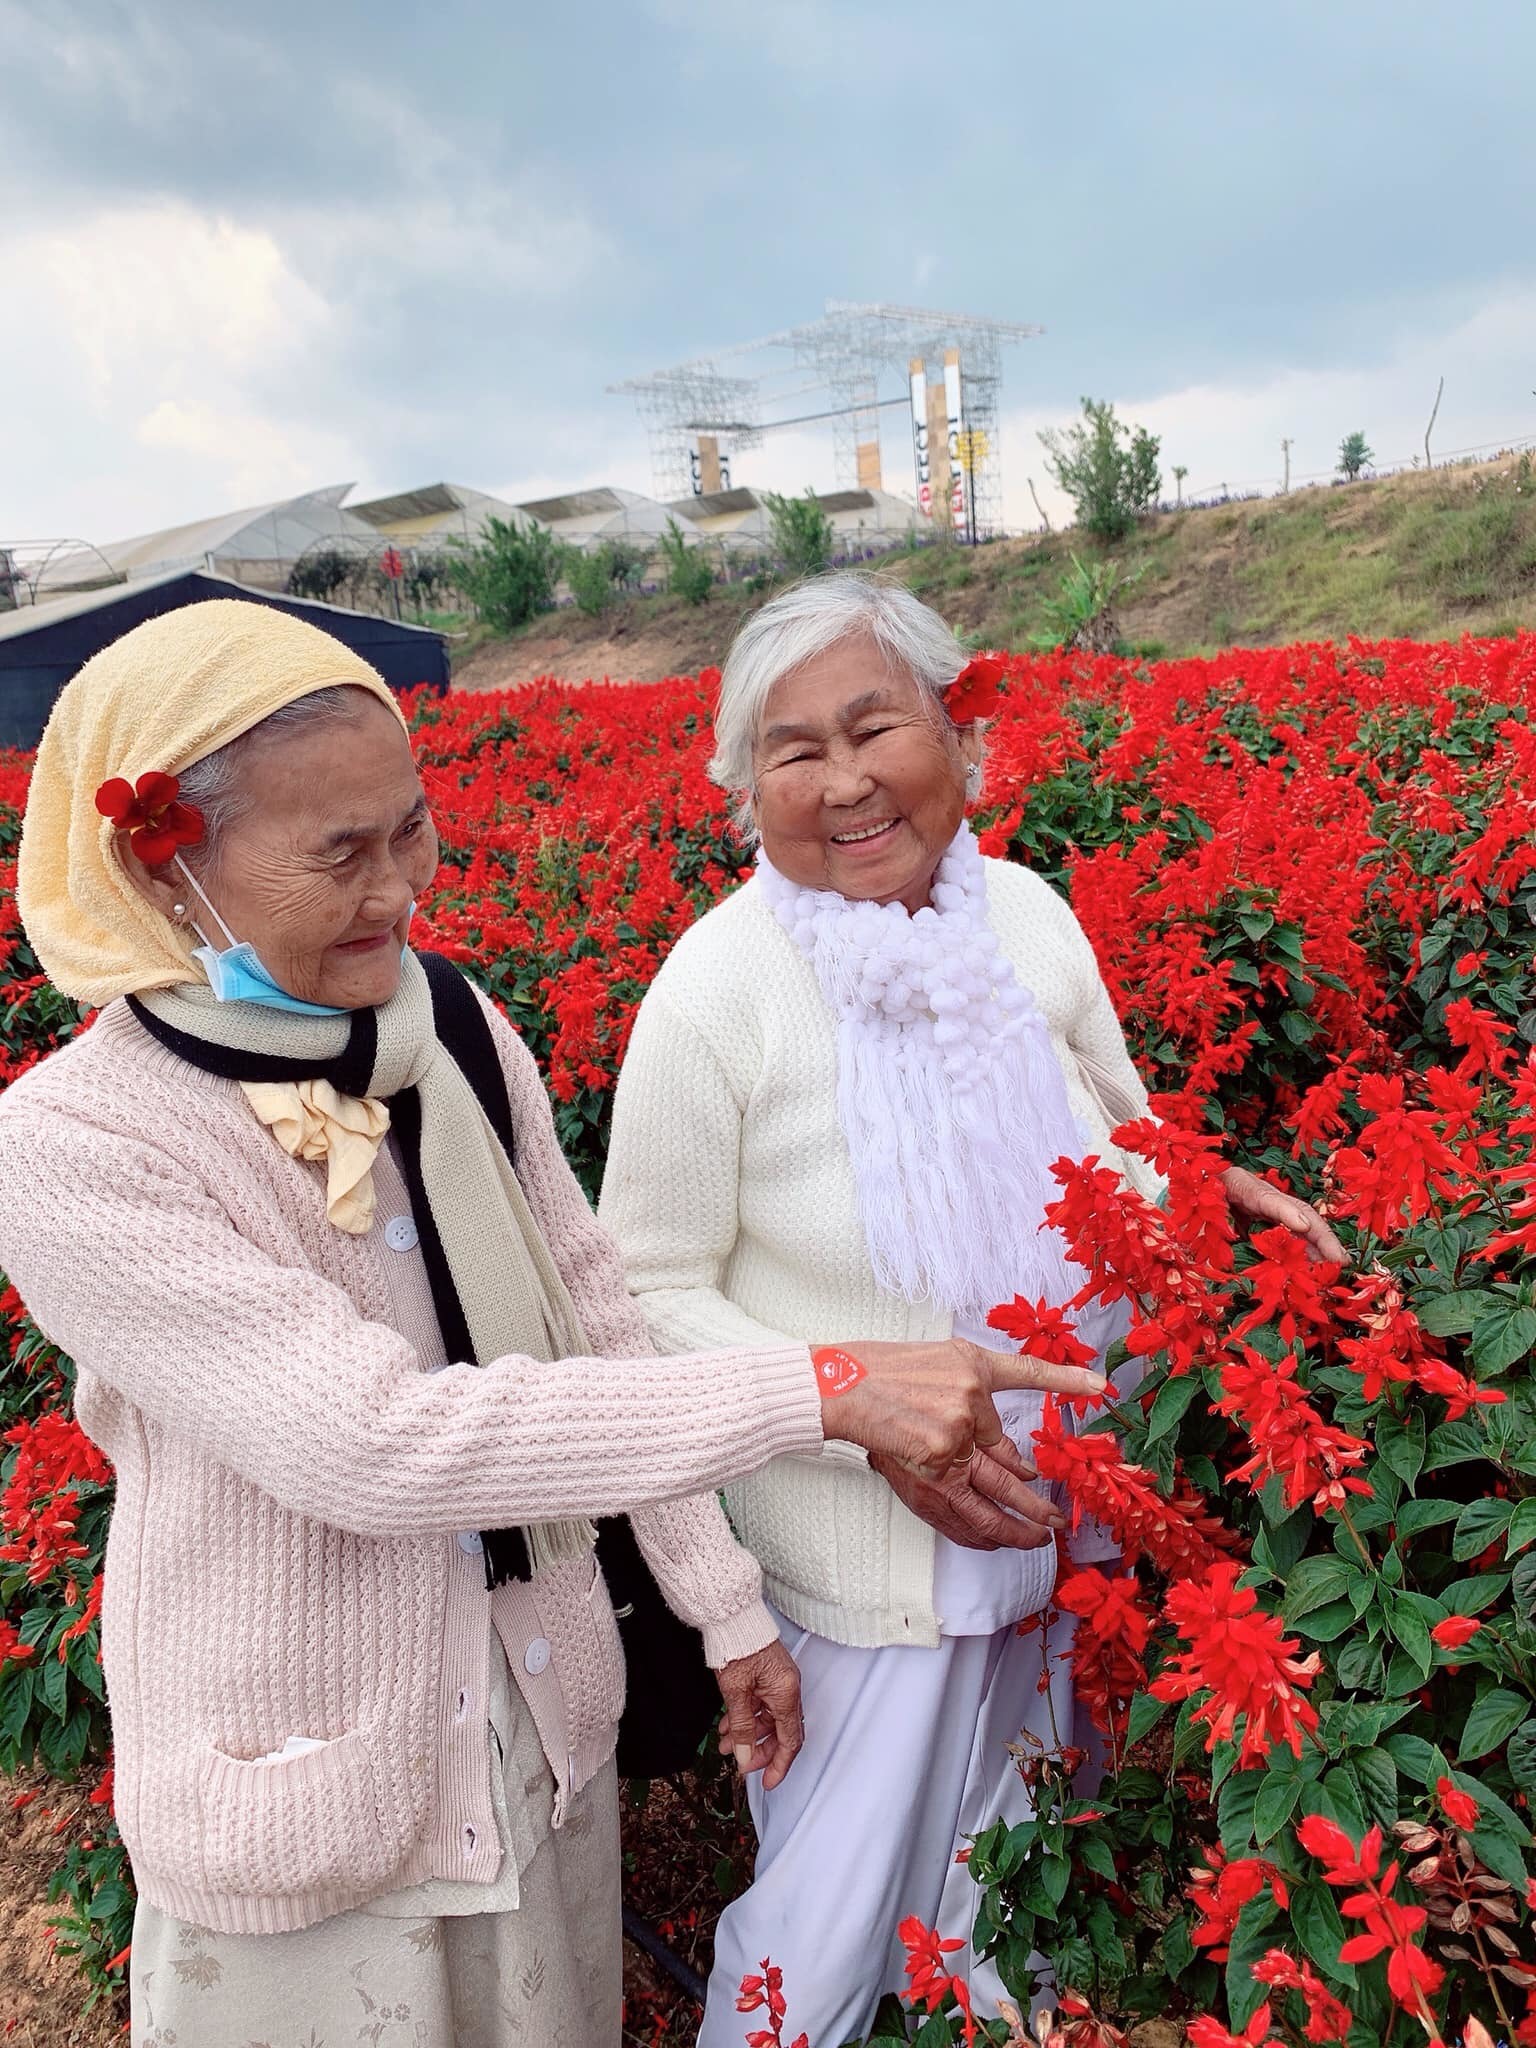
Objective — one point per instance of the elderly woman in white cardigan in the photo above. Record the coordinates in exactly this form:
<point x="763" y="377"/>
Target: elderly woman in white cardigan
<point x="840" y="1105"/>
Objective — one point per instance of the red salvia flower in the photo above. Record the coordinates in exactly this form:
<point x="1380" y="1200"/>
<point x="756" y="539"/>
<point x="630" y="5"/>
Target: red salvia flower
<point x="1328" y="2018"/>
<point x="1242" y="1658"/>
<point x="1219" y="1890"/>
<point x="1455" y="1632"/>
<point x="1459" y="1807"/>
<point x="1291" y="1442"/>
<point x="974" y="692"/>
<point x="1205" y="2032"/>
<point x="1042" y="1331"/>
<point x="1181" y="1535"/>
<point x="149" y="813"/>
<point x="931" y="1982"/>
<point x="1412" y="1976"/>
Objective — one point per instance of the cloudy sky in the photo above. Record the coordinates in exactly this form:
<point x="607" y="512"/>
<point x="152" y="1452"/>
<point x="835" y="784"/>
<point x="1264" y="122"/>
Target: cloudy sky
<point x="246" y="251"/>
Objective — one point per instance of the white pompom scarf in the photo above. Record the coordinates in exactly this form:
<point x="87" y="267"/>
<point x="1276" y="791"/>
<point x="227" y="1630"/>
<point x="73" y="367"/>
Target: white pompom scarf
<point x="949" y="1092"/>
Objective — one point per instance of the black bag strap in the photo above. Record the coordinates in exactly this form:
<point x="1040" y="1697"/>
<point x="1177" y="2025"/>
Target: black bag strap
<point x="464" y="1031"/>
<point x="673" y="1700"/>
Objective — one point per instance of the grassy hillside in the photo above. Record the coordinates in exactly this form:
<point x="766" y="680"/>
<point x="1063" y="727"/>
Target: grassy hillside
<point x="1421" y="556"/>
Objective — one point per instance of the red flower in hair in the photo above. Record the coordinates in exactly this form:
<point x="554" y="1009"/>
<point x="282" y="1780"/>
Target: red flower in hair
<point x="149" y="813"/>
<point x="973" y="693"/>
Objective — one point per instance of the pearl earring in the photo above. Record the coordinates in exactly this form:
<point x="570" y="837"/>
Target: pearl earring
<point x="973" y="779"/>
<point x="179" y="909"/>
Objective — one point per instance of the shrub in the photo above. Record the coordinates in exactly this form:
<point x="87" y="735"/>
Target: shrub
<point x="689" y="574"/>
<point x="589" y="578"/>
<point x="1354" y="455"/>
<point x="1108" y="470"/>
<point x="800" y="533"/>
<point x="1081" y="615"/>
<point x="509" y="574"/>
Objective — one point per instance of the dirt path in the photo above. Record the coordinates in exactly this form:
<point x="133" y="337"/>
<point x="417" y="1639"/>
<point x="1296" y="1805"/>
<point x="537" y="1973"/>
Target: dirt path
<point x="40" y="1993"/>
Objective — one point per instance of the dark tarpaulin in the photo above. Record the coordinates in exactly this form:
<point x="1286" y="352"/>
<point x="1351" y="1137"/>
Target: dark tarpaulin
<point x="38" y="657"/>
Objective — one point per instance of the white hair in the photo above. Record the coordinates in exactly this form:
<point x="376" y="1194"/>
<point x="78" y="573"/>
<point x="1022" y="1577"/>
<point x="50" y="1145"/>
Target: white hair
<point x="217" y="784"/>
<point x="793" y="629"/>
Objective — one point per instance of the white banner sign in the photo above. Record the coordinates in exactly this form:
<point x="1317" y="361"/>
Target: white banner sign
<point x="920" y="453"/>
<point x="953" y="421"/>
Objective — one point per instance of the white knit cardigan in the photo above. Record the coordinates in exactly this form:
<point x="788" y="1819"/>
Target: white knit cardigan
<point x="731" y="1194"/>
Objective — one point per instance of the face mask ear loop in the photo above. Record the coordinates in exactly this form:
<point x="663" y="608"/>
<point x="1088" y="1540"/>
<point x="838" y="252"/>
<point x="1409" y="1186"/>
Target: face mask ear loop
<point x="194" y="883"/>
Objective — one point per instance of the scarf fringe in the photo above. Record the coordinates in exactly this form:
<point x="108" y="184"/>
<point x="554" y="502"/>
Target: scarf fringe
<point x="552" y="1543"/>
<point x="949" y="1093"/>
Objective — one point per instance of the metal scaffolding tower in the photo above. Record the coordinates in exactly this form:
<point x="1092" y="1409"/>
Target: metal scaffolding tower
<point x="846" y="352"/>
<point x="678" y="405"/>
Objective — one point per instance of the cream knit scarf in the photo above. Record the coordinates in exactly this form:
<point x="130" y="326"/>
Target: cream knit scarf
<point x="949" y="1092"/>
<point x="324" y="1094"/>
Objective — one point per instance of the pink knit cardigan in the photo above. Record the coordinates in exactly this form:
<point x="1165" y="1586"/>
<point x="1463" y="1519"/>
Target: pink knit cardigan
<point x="294" y="1459"/>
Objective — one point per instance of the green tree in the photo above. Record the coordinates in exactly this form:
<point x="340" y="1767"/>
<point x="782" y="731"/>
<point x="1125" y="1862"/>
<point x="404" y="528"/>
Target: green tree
<point x="589" y="578"/>
<point x="510" y="572"/>
<point x="689" y="574"/>
<point x="799" y="532"/>
<point x="1081" y="616"/>
<point x="1354" y="455"/>
<point x="1107" y="469"/>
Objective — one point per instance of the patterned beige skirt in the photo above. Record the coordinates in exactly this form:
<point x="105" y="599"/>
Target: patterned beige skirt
<point x="545" y="1975"/>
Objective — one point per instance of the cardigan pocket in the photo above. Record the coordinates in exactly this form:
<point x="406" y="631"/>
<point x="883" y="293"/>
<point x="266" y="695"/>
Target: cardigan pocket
<point x="311" y="1821"/>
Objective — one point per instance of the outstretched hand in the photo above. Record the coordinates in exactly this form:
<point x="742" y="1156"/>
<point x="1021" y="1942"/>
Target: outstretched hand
<point x="1247" y="1195"/>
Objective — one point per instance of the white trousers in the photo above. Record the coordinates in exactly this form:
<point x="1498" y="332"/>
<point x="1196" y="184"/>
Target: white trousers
<point x="906" y="1756"/>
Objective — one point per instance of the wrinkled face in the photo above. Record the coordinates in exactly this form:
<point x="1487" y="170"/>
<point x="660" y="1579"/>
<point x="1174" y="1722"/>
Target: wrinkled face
<point x="859" y="780"/>
<point x="320" y="872"/>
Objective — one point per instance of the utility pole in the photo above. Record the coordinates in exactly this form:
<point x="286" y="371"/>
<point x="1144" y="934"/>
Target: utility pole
<point x="1285" y="450"/>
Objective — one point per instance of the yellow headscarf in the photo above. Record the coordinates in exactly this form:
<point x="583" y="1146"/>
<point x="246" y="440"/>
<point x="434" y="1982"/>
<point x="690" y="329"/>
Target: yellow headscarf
<point x="174" y="689"/>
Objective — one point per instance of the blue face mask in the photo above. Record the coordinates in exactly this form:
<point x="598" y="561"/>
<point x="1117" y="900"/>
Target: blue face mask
<point x="237" y="976"/>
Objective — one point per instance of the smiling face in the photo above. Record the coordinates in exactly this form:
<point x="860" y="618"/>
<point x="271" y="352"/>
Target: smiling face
<point x="319" y="872"/>
<point x="859" y="779"/>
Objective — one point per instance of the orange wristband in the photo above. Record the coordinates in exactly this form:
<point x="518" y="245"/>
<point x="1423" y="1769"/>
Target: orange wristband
<point x="837" y="1372"/>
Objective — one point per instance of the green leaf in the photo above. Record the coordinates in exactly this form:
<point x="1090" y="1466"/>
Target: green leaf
<point x="1273" y="1807"/>
<point x="1472" y="1595"/>
<point x="1234" y="1811"/>
<point x="1178" y="1951"/>
<point x="1094" y="1853"/>
<point x="1480" y="1523"/>
<point x="1376" y="1775"/>
<point x="1169" y="1404"/>
<point x="1146" y="1712"/>
<point x="1523" y="1588"/>
<point x="1315" y="1582"/>
<point x="1256" y="923"/>
<point x="1327" y="1624"/>
<point x="1412" y="1631"/>
<point x="1245" y="1994"/>
<point x="1414" y="1756"/>
<point x="1360" y="1665"/>
<point x="1400" y="1444"/>
<point x="1521" y="1756"/>
<point x="1494" y="1716"/>
<point x="1522" y="1526"/>
<point x="1454" y="1443"/>
<point x="1415" y="1516"/>
<point x="1456" y="1314"/>
<point x="1502" y="1336"/>
<point x="1320" y="1929"/>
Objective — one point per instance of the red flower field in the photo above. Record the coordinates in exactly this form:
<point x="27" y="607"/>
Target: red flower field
<point x="1310" y="878"/>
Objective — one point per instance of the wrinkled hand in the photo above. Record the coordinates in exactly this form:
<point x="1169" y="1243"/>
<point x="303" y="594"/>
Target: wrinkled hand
<point x="1247" y="1195"/>
<point x="929" y="1405"/>
<point x="762" y="1725"/>
<point x="985" y="1504"/>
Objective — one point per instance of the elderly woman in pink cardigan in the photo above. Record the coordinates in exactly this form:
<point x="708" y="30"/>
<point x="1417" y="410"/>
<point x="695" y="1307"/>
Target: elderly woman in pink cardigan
<point x="365" y="1366"/>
